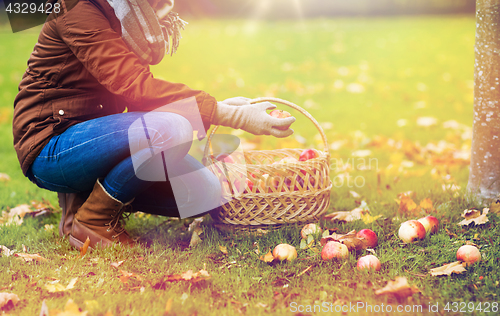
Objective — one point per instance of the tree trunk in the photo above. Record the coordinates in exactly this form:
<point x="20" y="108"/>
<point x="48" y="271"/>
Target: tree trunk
<point x="484" y="177"/>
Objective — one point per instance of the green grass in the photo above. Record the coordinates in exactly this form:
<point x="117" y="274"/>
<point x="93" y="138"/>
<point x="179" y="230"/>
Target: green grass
<point x="408" y="67"/>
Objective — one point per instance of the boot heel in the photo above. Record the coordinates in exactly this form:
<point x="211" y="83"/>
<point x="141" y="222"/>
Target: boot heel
<point x="75" y="242"/>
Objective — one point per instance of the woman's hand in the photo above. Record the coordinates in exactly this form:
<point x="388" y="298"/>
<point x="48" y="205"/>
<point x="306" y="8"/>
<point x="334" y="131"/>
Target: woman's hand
<point x="252" y="118"/>
<point x="237" y="101"/>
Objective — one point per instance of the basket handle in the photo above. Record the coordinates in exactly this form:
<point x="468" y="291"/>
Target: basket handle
<point x="276" y="100"/>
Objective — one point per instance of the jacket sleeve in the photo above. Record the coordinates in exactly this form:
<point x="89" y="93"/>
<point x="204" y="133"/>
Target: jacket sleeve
<point x="89" y="35"/>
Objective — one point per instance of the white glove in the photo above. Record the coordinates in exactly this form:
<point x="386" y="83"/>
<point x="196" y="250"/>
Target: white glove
<point x="252" y="118"/>
<point x="237" y="101"/>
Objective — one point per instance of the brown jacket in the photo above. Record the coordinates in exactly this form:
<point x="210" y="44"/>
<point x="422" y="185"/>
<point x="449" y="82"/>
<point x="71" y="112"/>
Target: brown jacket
<point x="81" y="69"/>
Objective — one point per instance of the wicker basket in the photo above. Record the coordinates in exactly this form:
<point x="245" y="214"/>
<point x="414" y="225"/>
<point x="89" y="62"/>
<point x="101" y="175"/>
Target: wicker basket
<point x="275" y="193"/>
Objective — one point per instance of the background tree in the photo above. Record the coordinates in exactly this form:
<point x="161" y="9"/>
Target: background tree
<point x="484" y="177"/>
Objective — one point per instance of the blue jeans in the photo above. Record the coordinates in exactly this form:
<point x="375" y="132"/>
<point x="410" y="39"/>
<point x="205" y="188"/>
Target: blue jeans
<point x="101" y="149"/>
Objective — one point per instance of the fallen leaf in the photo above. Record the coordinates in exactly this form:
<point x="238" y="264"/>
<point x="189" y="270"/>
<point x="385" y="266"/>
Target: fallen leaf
<point x="268" y="257"/>
<point x="117" y="264"/>
<point x="495" y="207"/>
<point x="70" y="309"/>
<point x="83" y="249"/>
<point x="6" y="251"/>
<point x="4" y="177"/>
<point x="30" y="257"/>
<point x="127" y="275"/>
<point x="426" y="204"/>
<point x="474" y="216"/>
<point x="223" y="249"/>
<point x="5" y="298"/>
<point x="195" y="239"/>
<point x="368" y="219"/>
<point x="188" y="276"/>
<point x="48" y="227"/>
<point x="56" y="286"/>
<point x="15" y="215"/>
<point x="350" y="239"/>
<point x="407" y="205"/>
<point x="399" y="288"/>
<point x="448" y="269"/>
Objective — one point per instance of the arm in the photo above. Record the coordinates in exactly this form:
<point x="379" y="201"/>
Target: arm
<point x="89" y="35"/>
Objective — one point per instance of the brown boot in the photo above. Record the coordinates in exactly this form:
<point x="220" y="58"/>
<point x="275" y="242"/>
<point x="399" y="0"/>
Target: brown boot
<point x="100" y="219"/>
<point x="69" y="203"/>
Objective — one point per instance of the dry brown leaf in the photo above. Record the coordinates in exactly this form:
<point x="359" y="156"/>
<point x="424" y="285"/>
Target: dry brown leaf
<point x="426" y="204"/>
<point x="474" y="216"/>
<point x="30" y="257"/>
<point x="195" y="239"/>
<point x="55" y="286"/>
<point x="127" y="275"/>
<point x="350" y="240"/>
<point x="268" y="257"/>
<point x="495" y="207"/>
<point x="70" y="309"/>
<point x="117" y="264"/>
<point x="448" y="269"/>
<point x="399" y="288"/>
<point x="5" y="298"/>
<point x="223" y="249"/>
<point x="15" y="215"/>
<point x="407" y="205"/>
<point x="83" y="249"/>
<point x="6" y="251"/>
<point x="189" y="276"/>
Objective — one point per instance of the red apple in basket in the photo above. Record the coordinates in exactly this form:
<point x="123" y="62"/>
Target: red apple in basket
<point x="308" y="154"/>
<point x="249" y="184"/>
<point x="298" y="181"/>
<point x="281" y="114"/>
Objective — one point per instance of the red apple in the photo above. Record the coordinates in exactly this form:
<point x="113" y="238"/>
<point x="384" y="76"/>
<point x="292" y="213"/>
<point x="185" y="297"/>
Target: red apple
<point x="334" y="250"/>
<point x="310" y="229"/>
<point x="284" y="252"/>
<point x="308" y="154"/>
<point x="411" y="231"/>
<point x="468" y="254"/>
<point x="281" y="114"/>
<point x="249" y="184"/>
<point x="431" y="224"/>
<point x="369" y="236"/>
<point x="369" y="262"/>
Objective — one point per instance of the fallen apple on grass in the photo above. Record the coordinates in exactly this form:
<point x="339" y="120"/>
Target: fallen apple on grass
<point x="284" y="252"/>
<point x="281" y="114"/>
<point x="310" y="229"/>
<point x="334" y="250"/>
<point x="468" y="254"/>
<point x="368" y="262"/>
<point x="411" y="231"/>
<point x="371" y="240"/>
<point x="431" y="224"/>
